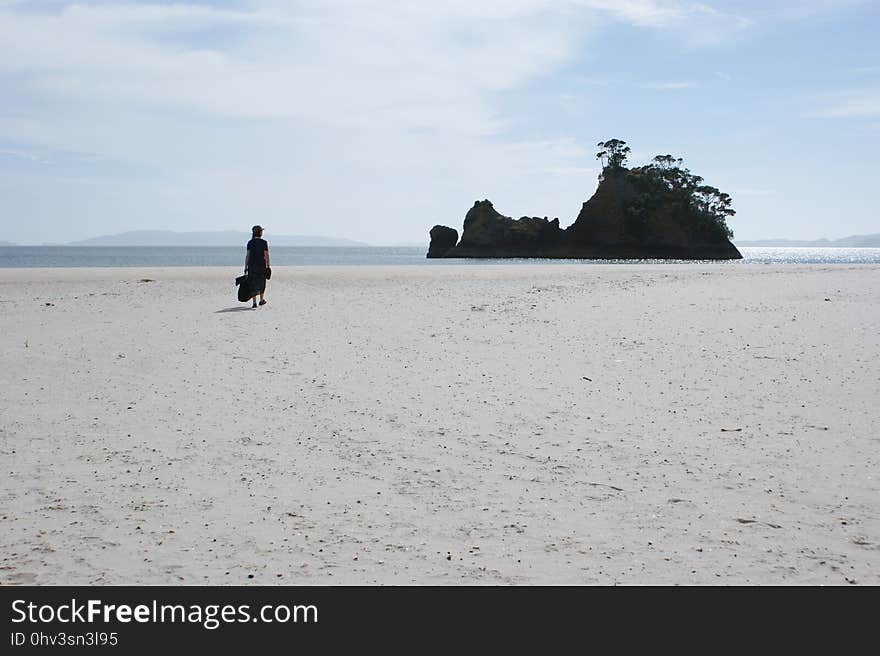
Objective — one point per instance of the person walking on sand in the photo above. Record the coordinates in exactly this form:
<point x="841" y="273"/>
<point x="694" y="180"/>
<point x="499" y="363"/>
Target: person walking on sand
<point x="256" y="265"/>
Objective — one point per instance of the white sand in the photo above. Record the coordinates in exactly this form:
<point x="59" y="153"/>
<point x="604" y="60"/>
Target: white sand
<point x="435" y="425"/>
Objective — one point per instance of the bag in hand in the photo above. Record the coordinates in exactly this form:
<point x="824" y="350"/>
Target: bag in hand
<point x="268" y="273"/>
<point x="244" y="288"/>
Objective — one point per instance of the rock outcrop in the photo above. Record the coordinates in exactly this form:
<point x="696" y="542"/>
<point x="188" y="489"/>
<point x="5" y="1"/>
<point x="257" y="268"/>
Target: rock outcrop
<point x="490" y="234"/>
<point x="442" y="239"/>
<point x="632" y="215"/>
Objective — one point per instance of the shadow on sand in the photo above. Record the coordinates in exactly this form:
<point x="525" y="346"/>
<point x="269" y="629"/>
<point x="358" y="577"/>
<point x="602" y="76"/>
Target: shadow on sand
<point x="234" y="309"/>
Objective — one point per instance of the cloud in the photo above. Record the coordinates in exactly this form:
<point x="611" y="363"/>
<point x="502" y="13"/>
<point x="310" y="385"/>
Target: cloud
<point x="340" y="112"/>
<point x="645" y="13"/>
<point x="669" y="86"/>
<point x="863" y="105"/>
<point x="336" y="62"/>
<point x="20" y="154"/>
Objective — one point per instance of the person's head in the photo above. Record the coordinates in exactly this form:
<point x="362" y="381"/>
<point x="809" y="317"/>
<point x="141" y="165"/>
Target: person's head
<point x="257" y="231"/>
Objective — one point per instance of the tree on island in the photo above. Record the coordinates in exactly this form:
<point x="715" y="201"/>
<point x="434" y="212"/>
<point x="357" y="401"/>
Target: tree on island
<point x="667" y="161"/>
<point x="660" y="210"/>
<point x="613" y="153"/>
<point x="663" y="184"/>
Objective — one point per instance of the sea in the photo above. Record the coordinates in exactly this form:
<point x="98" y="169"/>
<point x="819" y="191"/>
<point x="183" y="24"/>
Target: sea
<point x="202" y="256"/>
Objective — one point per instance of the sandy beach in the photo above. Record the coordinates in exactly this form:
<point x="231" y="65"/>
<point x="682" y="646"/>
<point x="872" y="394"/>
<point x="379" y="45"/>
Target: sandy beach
<point x="558" y="424"/>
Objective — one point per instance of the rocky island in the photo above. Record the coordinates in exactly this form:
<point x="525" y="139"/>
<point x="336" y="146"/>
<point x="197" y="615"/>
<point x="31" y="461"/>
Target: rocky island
<point x="657" y="211"/>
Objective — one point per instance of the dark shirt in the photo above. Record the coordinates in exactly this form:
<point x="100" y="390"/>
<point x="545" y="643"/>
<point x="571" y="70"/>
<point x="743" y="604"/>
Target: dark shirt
<point x="257" y="248"/>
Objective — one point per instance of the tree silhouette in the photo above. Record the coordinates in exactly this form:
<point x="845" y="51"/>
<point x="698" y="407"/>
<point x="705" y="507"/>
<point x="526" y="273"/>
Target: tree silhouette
<point x="613" y="153"/>
<point x="714" y="204"/>
<point x="667" y="161"/>
<point x="664" y="183"/>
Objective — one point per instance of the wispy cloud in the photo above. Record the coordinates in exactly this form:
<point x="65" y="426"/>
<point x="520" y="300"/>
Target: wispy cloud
<point x="20" y="154"/>
<point x="274" y="107"/>
<point x="338" y="60"/>
<point x="863" y="105"/>
<point x="334" y="62"/>
<point x="669" y="86"/>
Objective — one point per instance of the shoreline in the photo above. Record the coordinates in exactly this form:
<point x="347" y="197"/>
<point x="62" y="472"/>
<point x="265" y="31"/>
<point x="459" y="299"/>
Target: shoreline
<point x="76" y="274"/>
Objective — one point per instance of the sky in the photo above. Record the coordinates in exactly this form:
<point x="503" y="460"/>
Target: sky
<point x="377" y="119"/>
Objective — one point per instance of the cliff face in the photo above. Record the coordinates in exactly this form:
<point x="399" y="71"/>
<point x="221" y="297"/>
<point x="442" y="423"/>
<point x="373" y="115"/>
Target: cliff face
<point x="629" y="217"/>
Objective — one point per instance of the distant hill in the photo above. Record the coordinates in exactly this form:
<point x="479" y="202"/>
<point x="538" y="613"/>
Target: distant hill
<point x="224" y="238"/>
<point x="854" y="241"/>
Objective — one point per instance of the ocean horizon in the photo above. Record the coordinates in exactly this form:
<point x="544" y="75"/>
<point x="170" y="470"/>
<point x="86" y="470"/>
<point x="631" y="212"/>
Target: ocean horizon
<point x="16" y="257"/>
